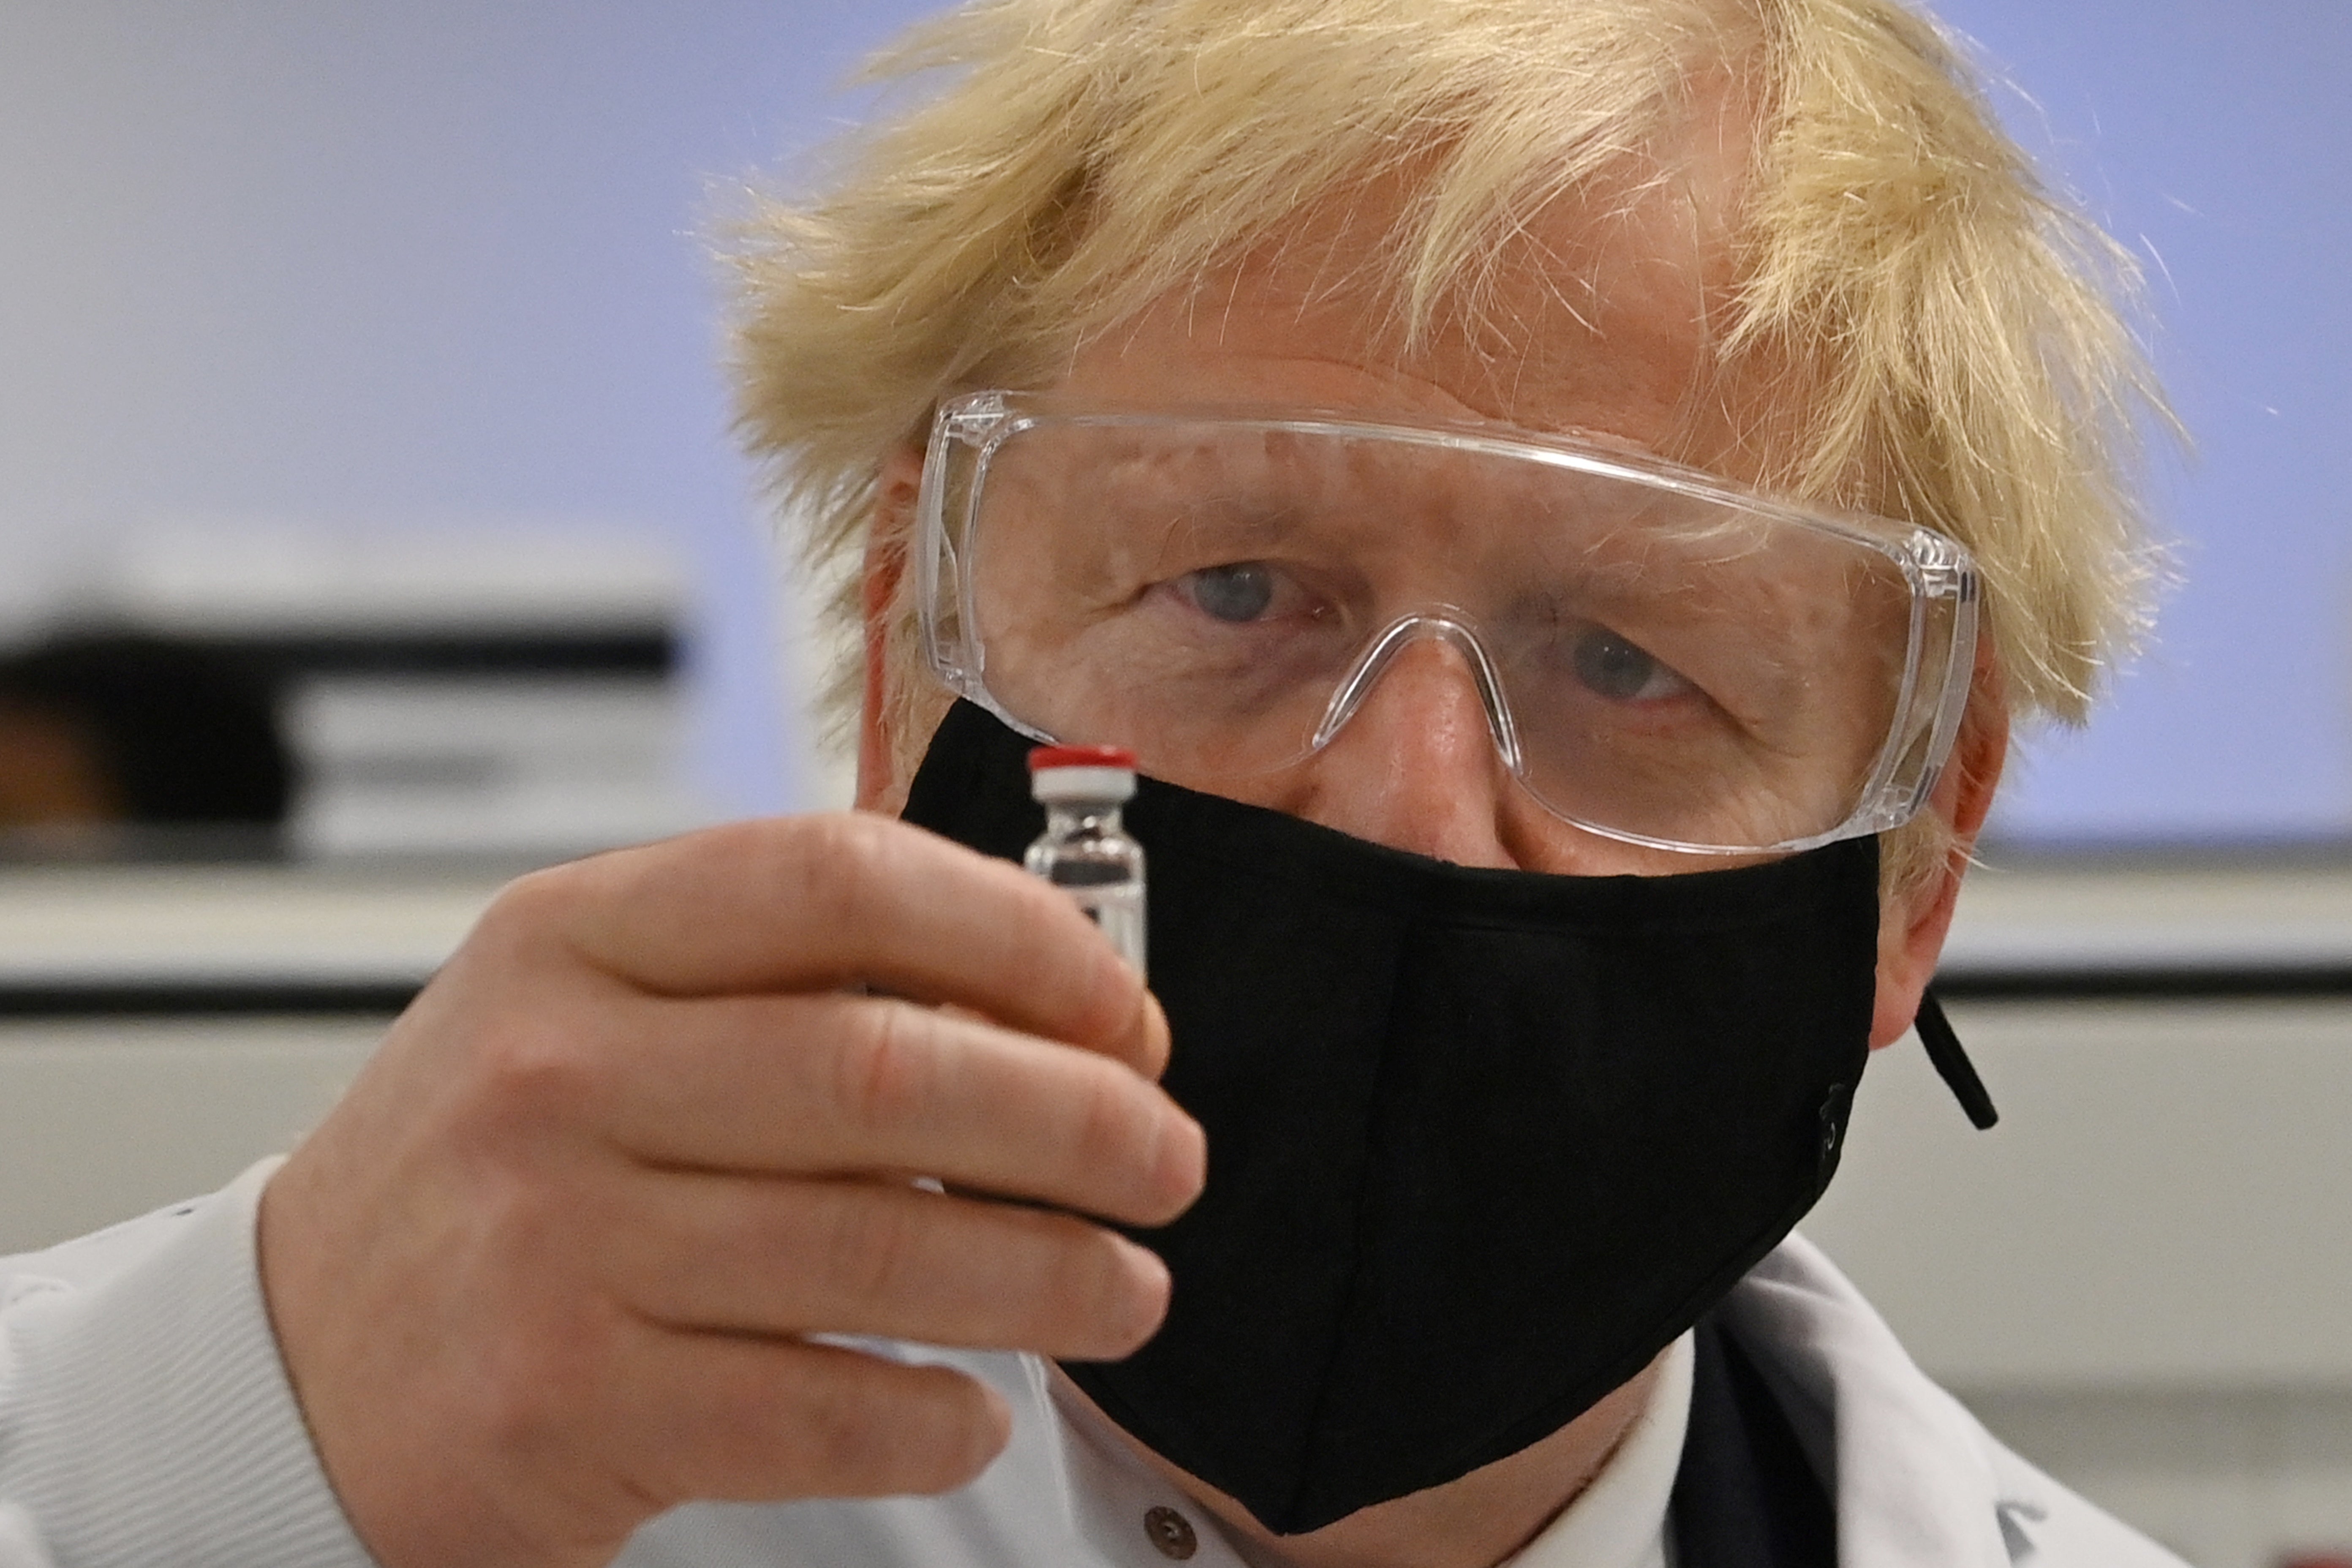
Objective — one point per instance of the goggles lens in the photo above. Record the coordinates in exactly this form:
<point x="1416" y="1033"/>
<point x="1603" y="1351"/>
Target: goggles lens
<point x="1661" y="659"/>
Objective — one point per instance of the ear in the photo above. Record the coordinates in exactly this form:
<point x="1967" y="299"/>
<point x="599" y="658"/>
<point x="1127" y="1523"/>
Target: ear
<point x="896" y="486"/>
<point x="1913" y="923"/>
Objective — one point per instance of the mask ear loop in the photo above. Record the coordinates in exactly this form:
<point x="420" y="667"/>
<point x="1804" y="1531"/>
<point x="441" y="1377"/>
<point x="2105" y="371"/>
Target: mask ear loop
<point x="1959" y="1074"/>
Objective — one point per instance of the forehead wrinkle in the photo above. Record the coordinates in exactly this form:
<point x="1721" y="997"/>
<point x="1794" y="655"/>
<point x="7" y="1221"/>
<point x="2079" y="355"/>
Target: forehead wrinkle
<point x="1596" y="310"/>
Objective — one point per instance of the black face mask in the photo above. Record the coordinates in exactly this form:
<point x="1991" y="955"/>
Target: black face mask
<point x="1481" y="1143"/>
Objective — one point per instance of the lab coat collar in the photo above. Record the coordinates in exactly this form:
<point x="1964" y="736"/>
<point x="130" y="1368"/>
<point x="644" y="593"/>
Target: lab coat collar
<point x="1915" y="1481"/>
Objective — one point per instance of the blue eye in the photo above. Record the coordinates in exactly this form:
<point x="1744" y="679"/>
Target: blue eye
<point x="1236" y="594"/>
<point x="1613" y="668"/>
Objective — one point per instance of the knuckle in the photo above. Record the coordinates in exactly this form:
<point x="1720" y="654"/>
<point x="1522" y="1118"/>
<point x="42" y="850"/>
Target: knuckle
<point x="1150" y="1158"/>
<point x="886" y="1072"/>
<point x="1050" y="943"/>
<point x="528" y="1382"/>
<point x="1114" y="1299"/>
<point x="531" y="1075"/>
<point x="849" y="1442"/>
<point x="1115" y="1130"/>
<point x="529" y="907"/>
<point x="1070" y="967"/>
<point x="951" y="1430"/>
<point x="975" y="1429"/>
<point x="833" y="862"/>
<point x="873" y="1253"/>
<point x="931" y="1431"/>
<point x="1108" y="1000"/>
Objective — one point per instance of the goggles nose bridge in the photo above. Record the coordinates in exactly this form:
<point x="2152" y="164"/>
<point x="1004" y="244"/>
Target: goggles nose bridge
<point x="1443" y="625"/>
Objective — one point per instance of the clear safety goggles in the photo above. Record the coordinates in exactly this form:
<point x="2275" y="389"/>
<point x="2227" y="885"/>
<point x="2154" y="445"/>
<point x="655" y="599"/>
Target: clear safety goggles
<point x="1663" y="658"/>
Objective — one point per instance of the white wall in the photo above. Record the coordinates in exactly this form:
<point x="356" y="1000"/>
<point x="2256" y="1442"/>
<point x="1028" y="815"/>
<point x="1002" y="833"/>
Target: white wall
<point x="2138" y="1279"/>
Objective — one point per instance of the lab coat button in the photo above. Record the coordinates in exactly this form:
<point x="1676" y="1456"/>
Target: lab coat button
<point x="1172" y="1533"/>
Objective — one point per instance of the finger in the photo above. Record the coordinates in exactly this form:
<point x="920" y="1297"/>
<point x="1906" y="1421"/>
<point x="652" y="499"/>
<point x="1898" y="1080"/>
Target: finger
<point x="820" y="902"/>
<point x="746" y="1419"/>
<point x="738" y="1255"/>
<point x="834" y="1085"/>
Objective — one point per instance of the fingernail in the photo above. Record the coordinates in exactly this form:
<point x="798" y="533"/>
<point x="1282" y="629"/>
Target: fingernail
<point x="1156" y="1037"/>
<point x="1183" y="1161"/>
<point x="1153" y="1286"/>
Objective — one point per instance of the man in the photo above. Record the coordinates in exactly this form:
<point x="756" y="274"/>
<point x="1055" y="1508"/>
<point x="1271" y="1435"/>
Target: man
<point x="1527" y="478"/>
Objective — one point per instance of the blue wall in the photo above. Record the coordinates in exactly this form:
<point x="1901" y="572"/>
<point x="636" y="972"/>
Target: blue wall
<point x="2212" y="139"/>
<point x="319" y="258"/>
<point x="324" y="261"/>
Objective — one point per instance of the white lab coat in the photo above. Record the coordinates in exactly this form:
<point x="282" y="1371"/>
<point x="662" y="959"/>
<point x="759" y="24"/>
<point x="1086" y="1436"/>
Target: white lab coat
<point x="145" y="1418"/>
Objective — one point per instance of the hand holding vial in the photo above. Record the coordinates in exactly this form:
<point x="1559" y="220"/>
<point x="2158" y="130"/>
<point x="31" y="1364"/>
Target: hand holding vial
<point x="583" y="1241"/>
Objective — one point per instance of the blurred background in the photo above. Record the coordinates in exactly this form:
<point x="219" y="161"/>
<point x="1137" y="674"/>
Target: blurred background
<point x="361" y="410"/>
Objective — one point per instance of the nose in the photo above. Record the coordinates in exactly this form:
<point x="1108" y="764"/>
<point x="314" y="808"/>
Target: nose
<point x="1414" y="766"/>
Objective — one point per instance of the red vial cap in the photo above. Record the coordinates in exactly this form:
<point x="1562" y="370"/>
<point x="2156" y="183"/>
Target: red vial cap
<point x="1044" y="757"/>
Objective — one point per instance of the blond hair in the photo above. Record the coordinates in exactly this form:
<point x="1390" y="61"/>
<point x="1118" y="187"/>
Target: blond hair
<point x="1965" y="362"/>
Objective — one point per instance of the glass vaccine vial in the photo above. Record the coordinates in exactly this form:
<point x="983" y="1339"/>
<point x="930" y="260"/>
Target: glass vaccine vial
<point x="1083" y="852"/>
